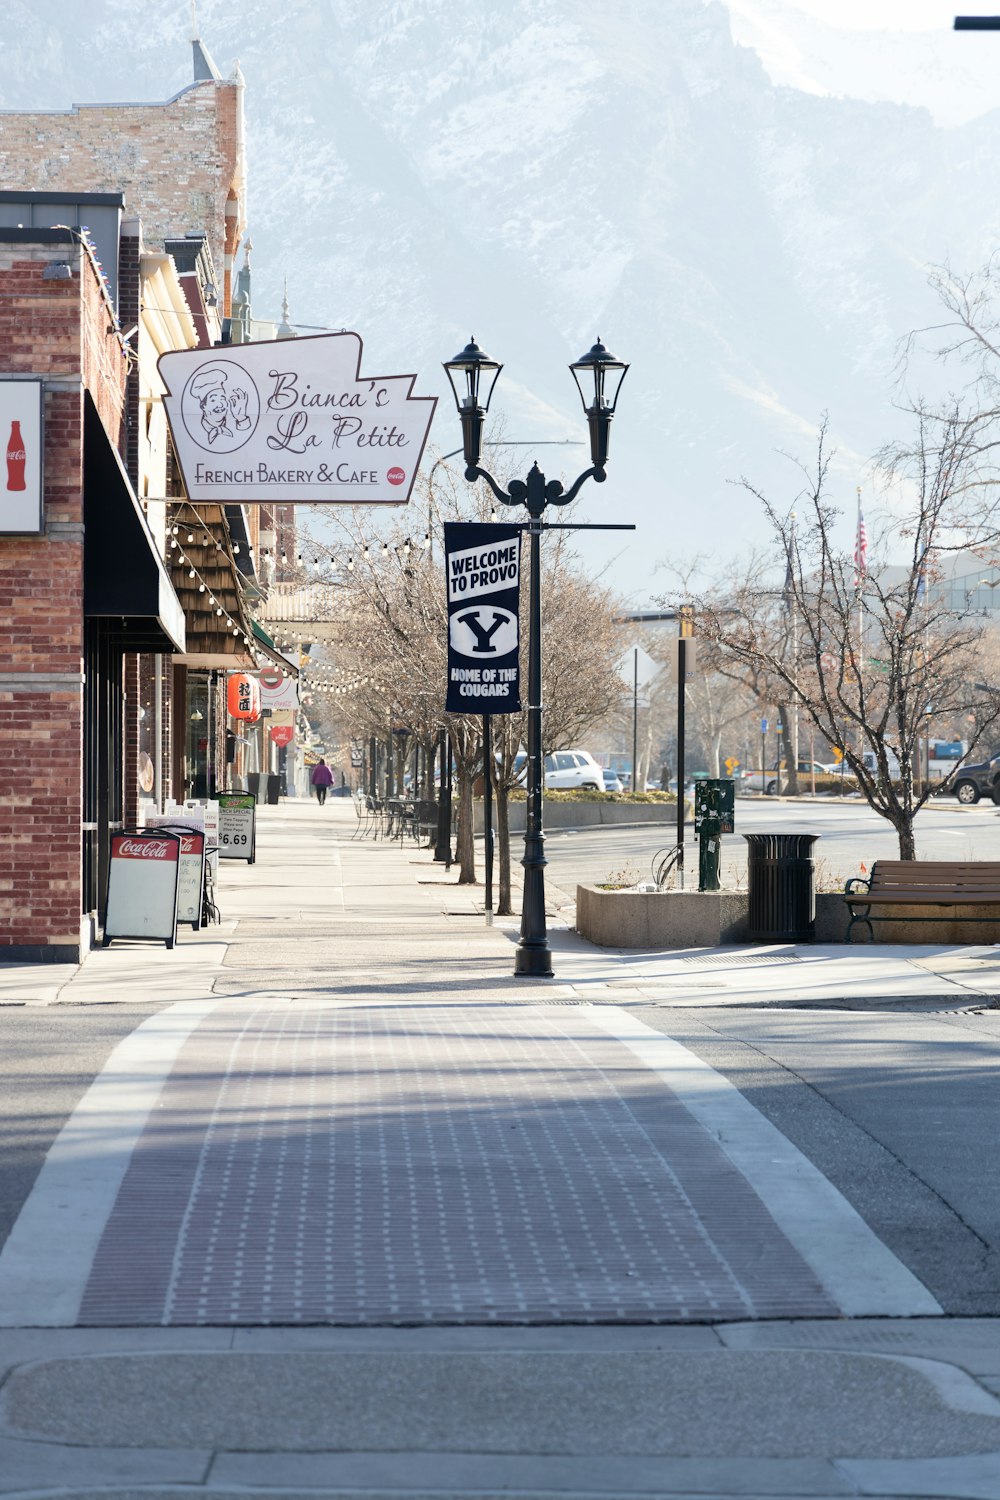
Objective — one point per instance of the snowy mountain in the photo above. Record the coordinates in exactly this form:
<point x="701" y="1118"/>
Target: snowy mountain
<point x="545" y="171"/>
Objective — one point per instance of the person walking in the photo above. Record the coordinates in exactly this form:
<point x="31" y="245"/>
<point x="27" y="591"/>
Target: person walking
<point x="321" y="778"/>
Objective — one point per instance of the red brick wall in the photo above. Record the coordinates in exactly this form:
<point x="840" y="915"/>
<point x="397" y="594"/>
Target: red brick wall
<point x="60" y="331"/>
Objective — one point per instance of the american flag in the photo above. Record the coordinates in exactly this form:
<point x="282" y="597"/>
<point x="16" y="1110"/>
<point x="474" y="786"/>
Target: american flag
<point x="860" y="550"/>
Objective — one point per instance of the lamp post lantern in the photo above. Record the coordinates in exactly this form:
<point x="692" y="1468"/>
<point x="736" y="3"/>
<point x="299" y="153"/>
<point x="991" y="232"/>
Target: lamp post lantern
<point x="473" y="376"/>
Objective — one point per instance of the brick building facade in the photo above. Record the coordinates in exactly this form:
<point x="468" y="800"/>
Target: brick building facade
<point x="96" y="666"/>
<point x="63" y="332"/>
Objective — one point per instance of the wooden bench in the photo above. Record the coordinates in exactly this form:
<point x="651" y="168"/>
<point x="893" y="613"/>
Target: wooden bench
<point x="901" y="883"/>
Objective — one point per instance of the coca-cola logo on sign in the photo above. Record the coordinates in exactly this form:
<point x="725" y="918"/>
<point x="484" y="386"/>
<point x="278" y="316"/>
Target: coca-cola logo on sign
<point x="145" y="848"/>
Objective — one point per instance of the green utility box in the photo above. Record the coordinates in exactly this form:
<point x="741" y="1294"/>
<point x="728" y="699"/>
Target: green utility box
<point x="714" y="815"/>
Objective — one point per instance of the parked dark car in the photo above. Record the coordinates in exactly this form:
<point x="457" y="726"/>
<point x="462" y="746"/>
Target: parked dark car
<point x="982" y="779"/>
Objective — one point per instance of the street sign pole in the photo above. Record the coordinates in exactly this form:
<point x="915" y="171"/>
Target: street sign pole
<point x="763" y="755"/>
<point x="488" y="813"/>
<point x="681" y="696"/>
<point x="635" y="717"/>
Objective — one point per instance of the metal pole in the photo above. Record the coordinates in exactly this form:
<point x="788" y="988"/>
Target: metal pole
<point x="488" y="813"/>
<point x="442" y="850"/>
<point x="681" y="691"/>
<point x="158" y="730"/>
<point x="533" y="958"/>
<point x="635" y="718"/>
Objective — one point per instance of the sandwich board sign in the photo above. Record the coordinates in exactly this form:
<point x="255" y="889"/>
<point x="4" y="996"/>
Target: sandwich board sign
<point x="142" y="886"/>
<point x="238" y="826"/>
<point x="191" y="874"/>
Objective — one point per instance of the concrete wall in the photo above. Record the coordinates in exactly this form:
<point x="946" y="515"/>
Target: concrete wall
<point x="588" y="814"/>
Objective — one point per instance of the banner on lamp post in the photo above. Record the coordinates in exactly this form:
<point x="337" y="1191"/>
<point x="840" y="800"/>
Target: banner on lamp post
<point x="483" y="569"/>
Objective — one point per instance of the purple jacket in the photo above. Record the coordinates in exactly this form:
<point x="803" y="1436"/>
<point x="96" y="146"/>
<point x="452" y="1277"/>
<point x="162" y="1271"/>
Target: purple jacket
<point x="321" y="776"/>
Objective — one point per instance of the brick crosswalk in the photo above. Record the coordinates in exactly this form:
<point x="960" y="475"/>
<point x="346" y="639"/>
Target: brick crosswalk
<point x="368" y="1164"/>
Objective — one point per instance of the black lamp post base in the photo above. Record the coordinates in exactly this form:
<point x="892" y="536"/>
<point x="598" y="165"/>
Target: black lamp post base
<point x="533" y="963"/>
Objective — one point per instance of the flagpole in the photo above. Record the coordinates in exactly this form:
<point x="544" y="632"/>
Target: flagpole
<point x="860" y="560"/>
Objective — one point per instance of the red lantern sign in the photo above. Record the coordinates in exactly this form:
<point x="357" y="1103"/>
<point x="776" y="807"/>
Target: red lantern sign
<point x="282" y="734"/>
<point x="243" y="696"/>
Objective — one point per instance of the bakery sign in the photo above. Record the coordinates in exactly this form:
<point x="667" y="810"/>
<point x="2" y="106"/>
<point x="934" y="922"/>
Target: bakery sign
<point x="293" y="420"/>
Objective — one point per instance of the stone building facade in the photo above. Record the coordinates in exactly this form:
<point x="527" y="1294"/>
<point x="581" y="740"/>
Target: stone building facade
<point x="179" y="164"/>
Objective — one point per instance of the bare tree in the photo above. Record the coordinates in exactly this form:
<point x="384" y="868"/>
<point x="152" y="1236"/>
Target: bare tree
<point x="875" y="650"/>
<point x="393" y="648"/>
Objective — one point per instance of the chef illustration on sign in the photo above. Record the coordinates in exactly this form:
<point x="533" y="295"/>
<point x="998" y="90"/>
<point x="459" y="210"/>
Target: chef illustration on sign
<point x="220" y="406"/>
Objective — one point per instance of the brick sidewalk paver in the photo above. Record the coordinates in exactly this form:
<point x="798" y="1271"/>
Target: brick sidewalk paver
<point x="431" y="1163"/>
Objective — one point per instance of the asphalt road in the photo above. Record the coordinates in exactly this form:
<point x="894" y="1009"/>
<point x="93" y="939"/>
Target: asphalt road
<point x="897" y="1110"/>
<point x="849" y="835"/>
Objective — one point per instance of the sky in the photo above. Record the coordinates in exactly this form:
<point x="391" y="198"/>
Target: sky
<point x="877" y="49"/>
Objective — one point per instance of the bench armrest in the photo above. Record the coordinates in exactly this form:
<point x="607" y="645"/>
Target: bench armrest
<point x="856" y="885"/>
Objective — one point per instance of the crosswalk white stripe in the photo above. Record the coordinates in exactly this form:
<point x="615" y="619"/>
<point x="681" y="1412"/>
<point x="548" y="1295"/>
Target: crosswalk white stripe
<point x="47" y="1259"/>
<point x="856" y="1269"/>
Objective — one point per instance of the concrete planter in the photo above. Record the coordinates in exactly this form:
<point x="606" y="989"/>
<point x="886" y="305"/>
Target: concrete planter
<point x="707" y="919"/>
<point x="588" y="814"/>
<point x="661" y="919"/>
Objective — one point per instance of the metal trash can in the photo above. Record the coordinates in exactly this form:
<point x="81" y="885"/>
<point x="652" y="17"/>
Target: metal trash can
<point x="273" y="788"/>
<point x="782" y="887"/>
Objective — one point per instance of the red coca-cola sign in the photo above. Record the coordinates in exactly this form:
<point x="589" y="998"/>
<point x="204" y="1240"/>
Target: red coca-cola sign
<point x="127" y="846"/>
<point x="396" y="475"/>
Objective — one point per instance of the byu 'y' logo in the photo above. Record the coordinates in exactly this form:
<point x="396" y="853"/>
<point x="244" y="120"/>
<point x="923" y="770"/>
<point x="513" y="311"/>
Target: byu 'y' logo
<point x="484" y="632"/>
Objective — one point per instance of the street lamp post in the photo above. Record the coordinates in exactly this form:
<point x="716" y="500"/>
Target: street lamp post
<point x="473" y="376"/>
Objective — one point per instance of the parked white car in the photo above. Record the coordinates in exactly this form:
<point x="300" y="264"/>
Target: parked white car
<point x="565" y="770"/>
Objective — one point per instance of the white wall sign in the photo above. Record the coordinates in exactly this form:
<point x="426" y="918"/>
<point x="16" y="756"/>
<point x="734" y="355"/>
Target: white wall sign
<point x="142" y="886"/>
<point x="293" y="420"/>
<point x="21" y="457"/>
<point x="277" y="690"/>
<point x="237" y="826"/>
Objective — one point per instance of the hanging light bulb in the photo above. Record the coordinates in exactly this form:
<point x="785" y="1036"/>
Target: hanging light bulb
<point x="201" y="588"/>
<point x="191" y="573"/>
<point x="236" y="549"/>
<point x="190" y="536"/>
<point x="350" y="565"/>
<point x="218" y="609"/>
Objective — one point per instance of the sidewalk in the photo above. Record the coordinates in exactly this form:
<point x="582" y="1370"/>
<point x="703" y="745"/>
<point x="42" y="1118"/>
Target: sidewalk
<point x="358" y="1214"/>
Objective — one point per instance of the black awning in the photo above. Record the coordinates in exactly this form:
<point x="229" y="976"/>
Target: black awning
<point x="123" y="576"/>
